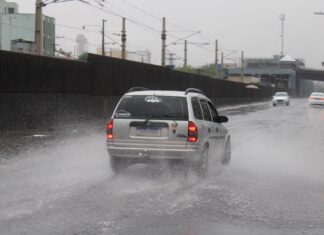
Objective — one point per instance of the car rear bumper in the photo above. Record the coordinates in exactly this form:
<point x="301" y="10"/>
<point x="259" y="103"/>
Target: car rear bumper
<point x="147" y="154"/>
<point x="316" y="102"/>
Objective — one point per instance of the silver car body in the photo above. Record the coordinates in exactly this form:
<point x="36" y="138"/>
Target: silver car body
<point x="316" y="98"/>
<point x="280" y="98"/>
<point x="153" y="138"/>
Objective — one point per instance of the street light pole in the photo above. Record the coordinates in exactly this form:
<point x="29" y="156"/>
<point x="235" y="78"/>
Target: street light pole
<point x="321" y="14"/>
<point x="282" y="18"/>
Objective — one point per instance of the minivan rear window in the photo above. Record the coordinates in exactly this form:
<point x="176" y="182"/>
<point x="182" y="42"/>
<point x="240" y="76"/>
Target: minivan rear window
<point x="152" y="107"/>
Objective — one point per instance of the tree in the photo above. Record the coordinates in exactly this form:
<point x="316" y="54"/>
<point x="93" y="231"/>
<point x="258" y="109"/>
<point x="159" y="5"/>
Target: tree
<point x="206" y="70"/>
<point x="83" y="57"/>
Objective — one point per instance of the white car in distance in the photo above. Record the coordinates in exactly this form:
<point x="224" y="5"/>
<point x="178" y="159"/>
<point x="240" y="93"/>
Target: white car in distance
<point x="316" y="98"/>
<point x="280" y="98"/>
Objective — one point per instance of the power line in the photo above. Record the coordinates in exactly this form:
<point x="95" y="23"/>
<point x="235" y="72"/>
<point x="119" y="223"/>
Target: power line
<point x="131" y="19"/>
<point x="113" y="40"/>
<point x="104" y="9"/>
<point x="157" y="17"/>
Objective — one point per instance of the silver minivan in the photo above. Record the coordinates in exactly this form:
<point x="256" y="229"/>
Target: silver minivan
<point x="175" y="126"/>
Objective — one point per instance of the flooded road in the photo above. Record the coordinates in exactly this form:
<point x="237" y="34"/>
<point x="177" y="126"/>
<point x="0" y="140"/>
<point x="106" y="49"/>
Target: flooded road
<point x="274" y="184"/>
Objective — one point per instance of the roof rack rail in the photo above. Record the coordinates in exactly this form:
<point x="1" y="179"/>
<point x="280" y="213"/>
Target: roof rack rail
<point x="195" y="90"/>
<point x="137" y="89"/>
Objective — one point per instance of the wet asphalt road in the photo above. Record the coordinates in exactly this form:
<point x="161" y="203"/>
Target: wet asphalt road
<point x="274" y="185"/>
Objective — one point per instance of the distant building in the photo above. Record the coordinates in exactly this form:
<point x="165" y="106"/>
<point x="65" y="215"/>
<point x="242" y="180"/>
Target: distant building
<point x="276" y="62"/>
<point x="115" y="53"/>
<point x="81" y="46"/>
<point x="138" y="56"/>
<point x="278" y="72"/>
<point x="8" y="7"/>
<point x="230" y="65"/>
<point x="14" y="25"/>
<point x="23" y="46"/>
<point x="244" y="79"/>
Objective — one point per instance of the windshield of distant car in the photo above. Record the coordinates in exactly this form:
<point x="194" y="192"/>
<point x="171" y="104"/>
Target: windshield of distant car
<point x="152" y="107"/>
<point x="281" y="94"/>
<point x="318" y="94"/>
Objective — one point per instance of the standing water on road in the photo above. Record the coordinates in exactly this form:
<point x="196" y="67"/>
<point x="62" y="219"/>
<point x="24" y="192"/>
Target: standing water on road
<point x="274" y="185"/>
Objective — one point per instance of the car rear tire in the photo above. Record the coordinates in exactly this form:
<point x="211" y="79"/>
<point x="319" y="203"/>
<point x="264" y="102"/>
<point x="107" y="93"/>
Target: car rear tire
<point x="227" y="155"/>
<point x="117" y="164"/>
<point x="202" y="166"/>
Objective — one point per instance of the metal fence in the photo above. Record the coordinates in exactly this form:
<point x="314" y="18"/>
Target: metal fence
<point x="114" y="77"/>
<point x="24" y="73"/>
<point x="105" y="76"/>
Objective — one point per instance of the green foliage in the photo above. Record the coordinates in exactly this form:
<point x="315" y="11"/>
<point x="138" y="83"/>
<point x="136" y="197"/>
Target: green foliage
<point x="206" y="70"/>
<point x="83" y="57"/>
<point x="188" y="69"/>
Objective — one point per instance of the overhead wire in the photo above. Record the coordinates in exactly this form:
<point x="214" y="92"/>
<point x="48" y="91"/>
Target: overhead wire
<point x="133" y="20"/>
<point x="103" y="7"/>
<point x="157" y="17"/>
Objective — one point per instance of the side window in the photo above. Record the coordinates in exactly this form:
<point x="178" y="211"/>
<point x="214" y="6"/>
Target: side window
<point x="213" y="111"/>
<point x="196" y="108"/>
<point x="11" y="10"/>
<point x="205" y="109"/>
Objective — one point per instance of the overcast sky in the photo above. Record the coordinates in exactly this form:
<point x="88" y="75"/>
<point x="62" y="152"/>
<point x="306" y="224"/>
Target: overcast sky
<point x="252" y="26"/>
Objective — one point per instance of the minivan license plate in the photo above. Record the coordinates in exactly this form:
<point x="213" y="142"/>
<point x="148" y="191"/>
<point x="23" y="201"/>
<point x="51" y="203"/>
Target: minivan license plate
<point x="149" y="132"/>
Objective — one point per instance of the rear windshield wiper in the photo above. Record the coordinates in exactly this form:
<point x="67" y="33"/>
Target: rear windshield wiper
<point x="162" y="116"/>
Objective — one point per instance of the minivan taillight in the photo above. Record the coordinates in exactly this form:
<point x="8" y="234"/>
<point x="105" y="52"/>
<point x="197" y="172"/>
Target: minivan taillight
<point x="109" y="129"/>
<point x="192" y="132"/>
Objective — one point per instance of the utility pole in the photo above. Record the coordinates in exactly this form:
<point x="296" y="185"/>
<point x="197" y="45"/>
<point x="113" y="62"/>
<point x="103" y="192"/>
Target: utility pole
<point x="103" y="50"/>
<point x="282" y="17"/>
<point x="222" y="59"/>
<point x="163" y="37"/>
<point x="185" y="54"/>
<point x="39" y="27"/>
<point x="123" y="39"/>
<point x="216" y="52"/>
<point x="242" y="66"/>
<point x="186" y="43"/>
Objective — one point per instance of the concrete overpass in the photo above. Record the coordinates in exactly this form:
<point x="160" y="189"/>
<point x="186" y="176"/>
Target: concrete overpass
<point x="296" y="80"/>
<point x="310" y="74"/>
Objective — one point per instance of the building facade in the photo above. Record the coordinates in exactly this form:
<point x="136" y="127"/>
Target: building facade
<point x="278" y="72"/>
<point x="8" y="7"/>
<point x="14" y="25"/>
<point x="81" y="46"/>
<point x="23" y="46"/>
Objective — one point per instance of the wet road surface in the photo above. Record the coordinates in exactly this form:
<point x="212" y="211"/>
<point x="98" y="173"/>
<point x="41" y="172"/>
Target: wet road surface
<point x="274" y="185"/>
